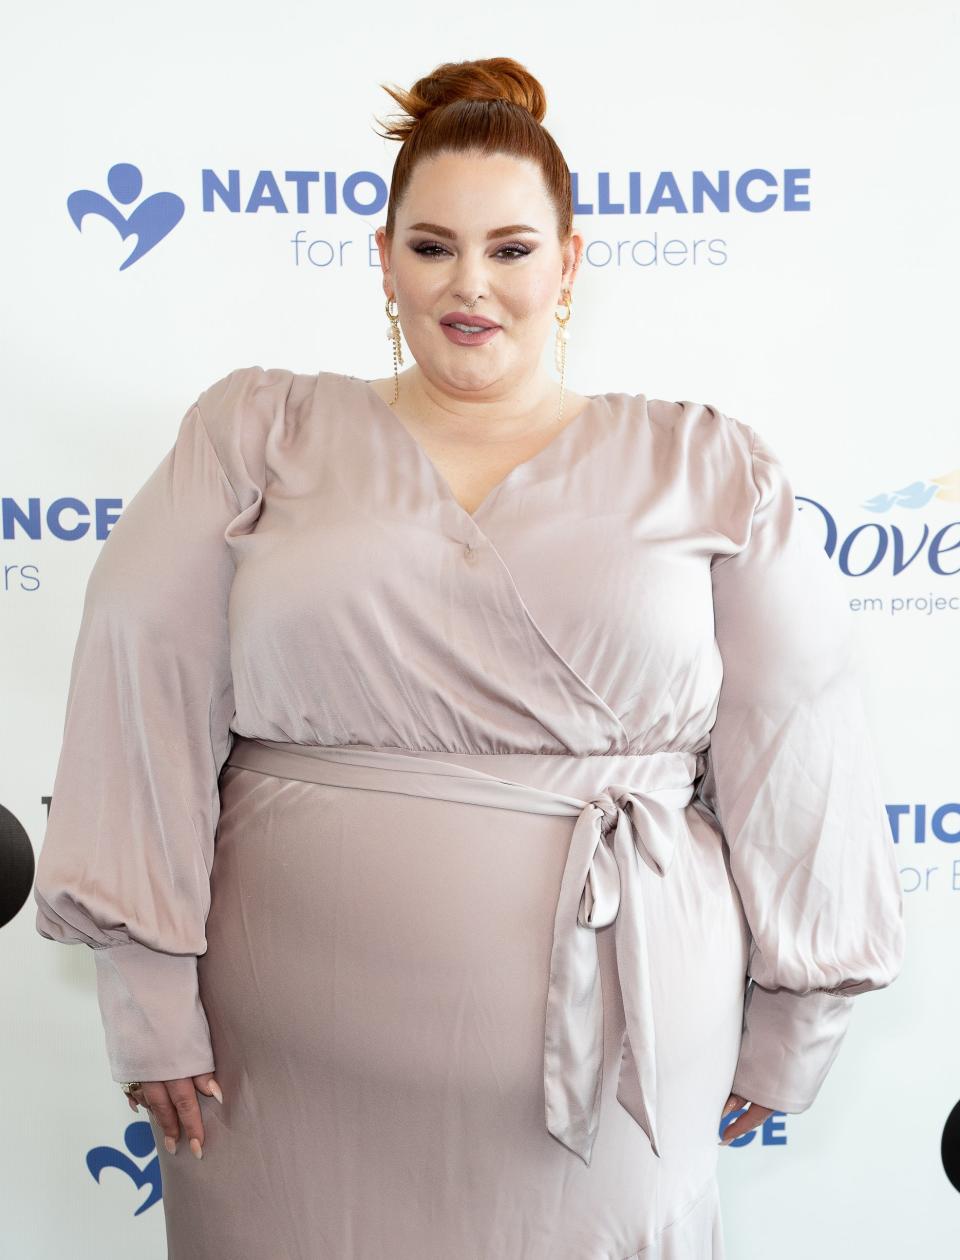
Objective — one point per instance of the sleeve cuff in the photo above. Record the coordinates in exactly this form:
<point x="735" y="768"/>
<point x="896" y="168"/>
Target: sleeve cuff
<point x="155" y="1026"/>
<point x="789" y="1043"/>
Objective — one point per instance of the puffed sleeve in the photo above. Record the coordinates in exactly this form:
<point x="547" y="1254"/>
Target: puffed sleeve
<point x="126" y="858"/>
<point x="793" y="779"/>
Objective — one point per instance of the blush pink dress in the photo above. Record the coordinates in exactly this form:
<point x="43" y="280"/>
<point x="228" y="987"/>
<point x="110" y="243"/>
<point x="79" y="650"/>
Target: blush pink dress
<point x="481" y="855"/>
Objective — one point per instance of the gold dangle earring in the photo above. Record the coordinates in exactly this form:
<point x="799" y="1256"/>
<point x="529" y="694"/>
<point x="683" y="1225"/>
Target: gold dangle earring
<point x="560" y="345"/>
<point x="393" y="334"/>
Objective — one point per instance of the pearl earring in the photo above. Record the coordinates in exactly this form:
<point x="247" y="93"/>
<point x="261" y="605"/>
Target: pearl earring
<point x="560" y="343"/>
<point x="393" y="334"/>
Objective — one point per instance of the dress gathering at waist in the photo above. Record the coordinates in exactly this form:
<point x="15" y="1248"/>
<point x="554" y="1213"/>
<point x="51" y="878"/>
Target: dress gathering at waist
<point x="626" y="808"/>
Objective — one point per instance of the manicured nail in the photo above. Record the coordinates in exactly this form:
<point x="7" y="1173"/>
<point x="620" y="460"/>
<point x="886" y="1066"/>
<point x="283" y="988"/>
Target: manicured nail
<point x="215" y="1090"/>
<point x="170" y="1144"/>
<point x="196" y="1147"/>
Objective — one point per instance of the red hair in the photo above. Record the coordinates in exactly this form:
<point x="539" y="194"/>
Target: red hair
<point x="483" y="107"/>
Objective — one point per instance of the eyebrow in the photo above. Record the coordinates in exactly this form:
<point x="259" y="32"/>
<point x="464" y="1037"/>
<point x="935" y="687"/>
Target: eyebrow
<point x="511" y="229"/>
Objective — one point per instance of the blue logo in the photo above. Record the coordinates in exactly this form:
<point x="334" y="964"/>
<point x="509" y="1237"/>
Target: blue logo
<point x="138" y="1137"/>
<point x="153" y="219"/>
<point x="874" y="545"/>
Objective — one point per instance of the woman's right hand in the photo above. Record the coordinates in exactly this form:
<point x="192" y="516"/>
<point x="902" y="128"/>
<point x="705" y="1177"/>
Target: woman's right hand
<point x="174" y="1103"/>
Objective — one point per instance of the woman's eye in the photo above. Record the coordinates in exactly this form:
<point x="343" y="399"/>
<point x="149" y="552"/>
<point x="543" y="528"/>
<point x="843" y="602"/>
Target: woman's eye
<point x="431" y="249"/>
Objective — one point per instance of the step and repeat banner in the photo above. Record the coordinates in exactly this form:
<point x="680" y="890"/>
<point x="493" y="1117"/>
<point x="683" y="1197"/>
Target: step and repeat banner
<point x="767" y="200"/>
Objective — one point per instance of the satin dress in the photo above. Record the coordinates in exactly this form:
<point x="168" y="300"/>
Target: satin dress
<point x="480" y="855"/>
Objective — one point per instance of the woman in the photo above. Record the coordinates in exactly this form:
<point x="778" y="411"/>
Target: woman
<point x="472" y="774"/>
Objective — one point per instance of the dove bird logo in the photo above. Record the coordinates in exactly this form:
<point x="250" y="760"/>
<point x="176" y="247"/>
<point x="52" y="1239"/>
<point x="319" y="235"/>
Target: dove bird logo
<point x="153" y="219"/>
<point x="917" y="494"/>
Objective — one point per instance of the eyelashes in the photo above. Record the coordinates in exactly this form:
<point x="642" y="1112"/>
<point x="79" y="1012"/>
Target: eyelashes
<point x="431" y="249"/>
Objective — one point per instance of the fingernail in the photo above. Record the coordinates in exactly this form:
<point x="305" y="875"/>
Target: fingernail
<point x="215" y="1090"/>
<point x="196" y="1147"/>
<point x="170" y="1144"/>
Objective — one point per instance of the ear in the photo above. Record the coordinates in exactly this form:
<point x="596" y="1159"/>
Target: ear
<point x="383" y="248"/>
<point x="572" y="254"/>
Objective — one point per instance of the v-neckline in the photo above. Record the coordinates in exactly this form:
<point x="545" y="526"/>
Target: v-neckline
<point x="513" y="474"/>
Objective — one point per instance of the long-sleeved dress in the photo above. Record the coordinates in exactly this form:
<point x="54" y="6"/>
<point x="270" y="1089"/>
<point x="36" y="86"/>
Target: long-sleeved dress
<point x="481" y="855"/>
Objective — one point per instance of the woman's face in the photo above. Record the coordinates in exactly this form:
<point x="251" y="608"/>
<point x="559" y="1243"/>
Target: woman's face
<point x="441" y="260"/>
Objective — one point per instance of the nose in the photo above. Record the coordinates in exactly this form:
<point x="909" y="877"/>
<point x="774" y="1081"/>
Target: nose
<point x="470" y="281"/>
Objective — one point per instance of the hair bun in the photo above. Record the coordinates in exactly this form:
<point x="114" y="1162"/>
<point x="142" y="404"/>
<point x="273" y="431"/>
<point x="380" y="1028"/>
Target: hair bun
<point x="492" y="79"/>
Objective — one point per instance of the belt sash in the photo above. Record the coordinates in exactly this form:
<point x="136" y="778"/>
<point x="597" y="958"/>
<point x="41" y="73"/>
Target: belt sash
<point x="600" y="885"/>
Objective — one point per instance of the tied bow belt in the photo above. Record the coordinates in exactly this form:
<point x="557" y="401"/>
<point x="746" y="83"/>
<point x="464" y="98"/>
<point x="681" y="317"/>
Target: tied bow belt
<point x="638" y="808"/>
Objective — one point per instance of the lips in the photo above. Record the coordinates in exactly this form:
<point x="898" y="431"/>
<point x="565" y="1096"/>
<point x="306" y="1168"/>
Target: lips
<point x="462" y="317"/>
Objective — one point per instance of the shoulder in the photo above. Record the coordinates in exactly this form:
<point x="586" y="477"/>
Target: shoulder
<point x="712" y="429"/>
<point x="732" y="466"/>
<point x="250" y="407"/>
<point x="262" y="393"/>
<point x="715" y="445"/>
<point x="245" y="392"/>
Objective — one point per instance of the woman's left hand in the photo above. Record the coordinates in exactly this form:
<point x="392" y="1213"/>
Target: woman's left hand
<point x="753" y="1116"/>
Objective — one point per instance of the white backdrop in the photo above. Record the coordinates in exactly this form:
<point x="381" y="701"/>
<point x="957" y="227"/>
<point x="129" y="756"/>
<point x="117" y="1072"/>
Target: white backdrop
<point x="825" y="319"/>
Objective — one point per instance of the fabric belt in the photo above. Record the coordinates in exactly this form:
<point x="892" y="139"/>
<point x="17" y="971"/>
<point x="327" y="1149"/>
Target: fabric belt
<point x="628" y="805"/>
